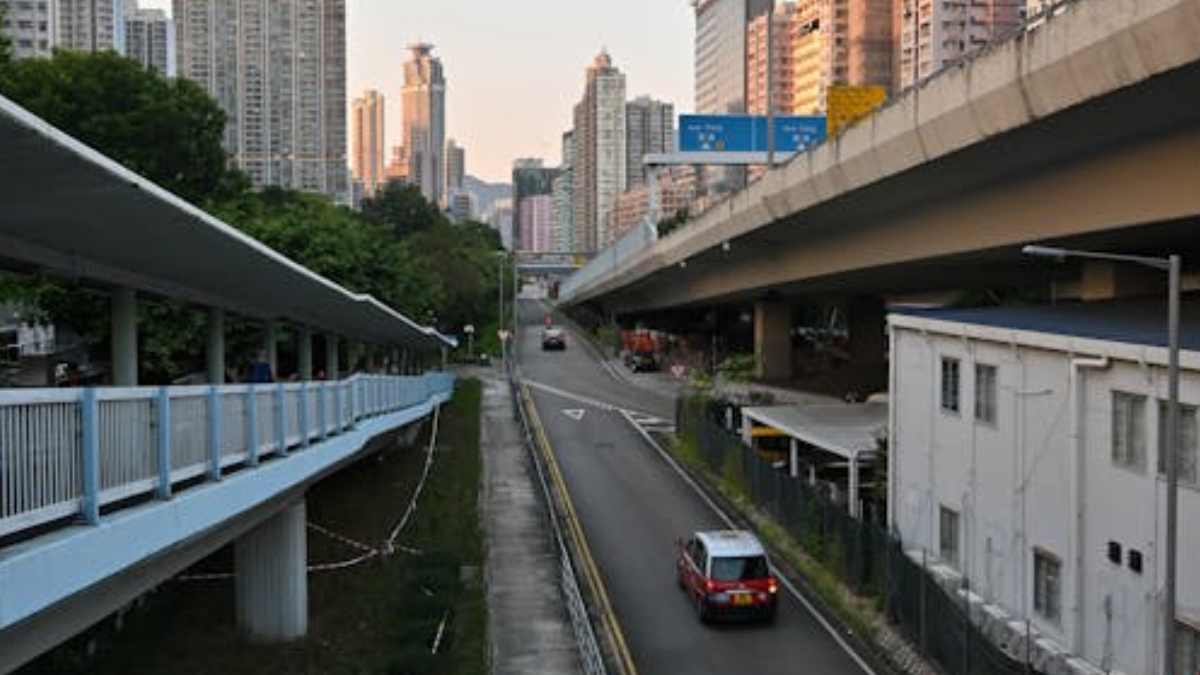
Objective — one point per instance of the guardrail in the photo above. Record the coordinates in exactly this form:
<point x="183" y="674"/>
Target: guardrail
<point x="67" y="452"/>
<point x="609" y="259"/>
<point x="590" y="655"/>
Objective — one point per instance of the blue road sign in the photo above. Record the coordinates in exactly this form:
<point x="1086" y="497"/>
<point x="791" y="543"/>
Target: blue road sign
<point x="748" y="133"/>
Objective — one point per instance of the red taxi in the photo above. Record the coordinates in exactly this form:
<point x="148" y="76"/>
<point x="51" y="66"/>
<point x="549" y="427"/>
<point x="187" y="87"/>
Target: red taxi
<point x="726" y="575"/>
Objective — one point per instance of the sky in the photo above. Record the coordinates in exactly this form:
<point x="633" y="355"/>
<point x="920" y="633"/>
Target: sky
<point x="514" y="69"/>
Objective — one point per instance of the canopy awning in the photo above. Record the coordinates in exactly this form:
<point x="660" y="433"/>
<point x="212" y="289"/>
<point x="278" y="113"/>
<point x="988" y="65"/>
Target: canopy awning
<point x="850" y="430"/>
<point x="68" y="210"/>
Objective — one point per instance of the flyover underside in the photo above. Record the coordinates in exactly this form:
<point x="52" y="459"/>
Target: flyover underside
<point x="1131" y="197"/>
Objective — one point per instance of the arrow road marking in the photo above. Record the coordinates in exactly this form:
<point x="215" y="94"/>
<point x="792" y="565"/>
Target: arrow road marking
<point x="575" y="413"/>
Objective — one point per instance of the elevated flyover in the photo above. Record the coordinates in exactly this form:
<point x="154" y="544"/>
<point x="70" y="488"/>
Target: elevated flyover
<point x="1083" y="128"/>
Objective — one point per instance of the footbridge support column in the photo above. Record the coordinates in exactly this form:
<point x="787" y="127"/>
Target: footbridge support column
<point x="772" y="340"/>
<point x="271" y="585"/>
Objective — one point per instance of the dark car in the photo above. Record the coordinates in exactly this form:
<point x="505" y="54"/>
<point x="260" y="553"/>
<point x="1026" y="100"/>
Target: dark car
<point x="553" y="338"/>
<point x="642" y="362"/>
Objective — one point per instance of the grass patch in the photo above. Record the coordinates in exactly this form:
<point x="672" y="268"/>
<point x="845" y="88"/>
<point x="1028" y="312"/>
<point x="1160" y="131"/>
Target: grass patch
<point x="379" y="617"/>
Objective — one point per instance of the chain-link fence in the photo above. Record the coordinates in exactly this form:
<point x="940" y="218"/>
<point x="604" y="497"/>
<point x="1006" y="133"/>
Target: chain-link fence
<point x="862" y="554"/>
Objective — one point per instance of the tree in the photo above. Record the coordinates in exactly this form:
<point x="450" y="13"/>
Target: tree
<point x="669" y="225"/>
<point x="5" y="43"/>
<point x="169" y="131"/>
<point x="403" y="208"/>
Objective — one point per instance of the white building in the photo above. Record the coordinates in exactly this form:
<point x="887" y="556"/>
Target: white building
<point x="933" y="35"/>
<point x="91" y="25"/>
<point x="32" y="27"/>
<point x="1025" y="457"/>
<point x="150" y="38"/>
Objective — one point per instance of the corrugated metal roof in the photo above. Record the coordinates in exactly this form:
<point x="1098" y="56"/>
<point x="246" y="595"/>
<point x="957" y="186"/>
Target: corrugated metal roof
<point x="1140" y="321"/>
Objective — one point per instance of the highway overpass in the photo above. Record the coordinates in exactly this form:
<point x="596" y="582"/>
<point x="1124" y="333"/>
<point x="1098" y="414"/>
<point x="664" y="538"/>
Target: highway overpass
<point x="1081" y="130"/>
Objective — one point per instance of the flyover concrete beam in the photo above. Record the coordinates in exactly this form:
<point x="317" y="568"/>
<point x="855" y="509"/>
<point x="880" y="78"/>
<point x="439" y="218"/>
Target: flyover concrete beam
<point x="271" y="577"/>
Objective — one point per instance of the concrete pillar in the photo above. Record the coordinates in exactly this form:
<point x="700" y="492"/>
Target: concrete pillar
<point x="772" y="340"/>
<point x="271" y="577"/>
<point x="124" y="337"/>
<point x="304" y="353"/>
<point x="331" y="356"/>
<point x="794" y="459"/>
<point x="215" y="351"/>
<point x="1103" y="280"/>
<point x="445" y="357"/>
<point x="854" y="486"/>
<point x="868" y="330"/>
<point x="395" y="369"/>
<point x="271" y="346"/>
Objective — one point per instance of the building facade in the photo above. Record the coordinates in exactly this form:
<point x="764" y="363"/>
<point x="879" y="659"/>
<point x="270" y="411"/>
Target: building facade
<point x="563" y="189"/>
<point x="649" y="128"/>
<point x="530" y="178"/>
<point x="1026" y="462"/>
<point x="537" y="223"/>
<point x="367" y="159"/>
<point x="456" y="166"/>
<point x="278" y="70"/>
<point x="501" y="220"/>
<point x="150" y="39"/>
<point x="782" y="53"/>
<point x="931" y="36"/>
<point x="425" y="121"/>
<point x="397" y="168"/>
<point x="31" y="27"/>
<point x="600" y="156"/>
<point x="91" y="25"/>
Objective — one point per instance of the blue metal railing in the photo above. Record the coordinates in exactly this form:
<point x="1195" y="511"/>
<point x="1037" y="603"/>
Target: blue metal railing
<point x="66" y="452"/>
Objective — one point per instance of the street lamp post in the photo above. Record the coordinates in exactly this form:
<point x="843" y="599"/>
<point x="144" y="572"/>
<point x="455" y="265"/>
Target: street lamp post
<point x="1172" y="266"/>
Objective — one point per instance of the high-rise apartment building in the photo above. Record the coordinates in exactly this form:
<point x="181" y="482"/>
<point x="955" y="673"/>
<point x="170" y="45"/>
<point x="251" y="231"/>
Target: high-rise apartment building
<point x="563" y="188"/>
<point x="934" y="35"/>
<point x="537" y="223"/>
<point x="812" y="56"/>
<point x="91" y="25"/>
<point x="31" y="27"/>
<point x="456" y="166"/>
<point x="530" y="178"/>
<point x="838" y="42"/>
<point x="150" y="38"/>
<point x="649" y="128"/>
<point x="278" y="70"/>
<point x="366" y="141"/>
<point x="600" y="157"/>
<point x="397" y="169"/>
<point x="425" y="121"/>
<point x="781" y="55"/>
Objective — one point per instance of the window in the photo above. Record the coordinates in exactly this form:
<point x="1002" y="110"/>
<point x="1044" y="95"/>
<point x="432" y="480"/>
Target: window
<point x="985" y="393"/>
<point x="948" y="536"/>
<point x="1187" y="443"/>
<point x="1047" y="586"/>
<point x="1129" y="431"/>
<point x="949" y="384"/>
<point x="739" y="568"/>
<point x="1187" y="646"/>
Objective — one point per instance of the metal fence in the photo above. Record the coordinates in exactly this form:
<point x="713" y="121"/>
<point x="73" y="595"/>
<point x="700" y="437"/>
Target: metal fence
<point x="66" y="452"/>
<point x="863" y="555"/>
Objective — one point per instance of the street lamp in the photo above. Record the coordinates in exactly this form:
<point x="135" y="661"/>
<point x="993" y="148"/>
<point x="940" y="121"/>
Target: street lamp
<point x="1171" y="265"/>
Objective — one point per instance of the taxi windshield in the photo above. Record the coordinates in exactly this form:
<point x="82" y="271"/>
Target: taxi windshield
<point x="739" y="568"/>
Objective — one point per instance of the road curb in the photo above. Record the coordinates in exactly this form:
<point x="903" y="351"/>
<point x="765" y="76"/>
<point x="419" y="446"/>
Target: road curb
<point x="618" y="647"/>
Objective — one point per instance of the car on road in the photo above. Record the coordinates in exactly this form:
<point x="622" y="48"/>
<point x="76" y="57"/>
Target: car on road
<point x="726" y="574"/>
<point x="641" y="362"/>
<point x="553" y="337"/>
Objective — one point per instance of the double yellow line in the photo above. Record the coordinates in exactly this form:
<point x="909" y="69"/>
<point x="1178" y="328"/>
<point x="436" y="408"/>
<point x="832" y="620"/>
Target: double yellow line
<point x="575" y="532"/>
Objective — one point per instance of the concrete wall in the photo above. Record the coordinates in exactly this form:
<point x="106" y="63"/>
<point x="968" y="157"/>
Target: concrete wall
<point x="1021" y="483"/>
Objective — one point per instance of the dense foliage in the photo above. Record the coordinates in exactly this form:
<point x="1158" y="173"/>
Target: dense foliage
<point x="400" y="249"/>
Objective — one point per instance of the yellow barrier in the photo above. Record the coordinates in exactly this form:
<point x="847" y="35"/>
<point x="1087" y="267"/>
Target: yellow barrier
<point x="575" y="531"/>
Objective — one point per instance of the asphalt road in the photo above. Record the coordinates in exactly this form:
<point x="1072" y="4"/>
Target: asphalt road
<point x="633" y="506"/>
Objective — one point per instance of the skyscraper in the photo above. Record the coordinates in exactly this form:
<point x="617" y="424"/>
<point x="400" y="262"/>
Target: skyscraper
<point x="150" y="38"/>
<point x="425" y="121"/>
<point x="933" y="35"/>
<point x="563" y="188"/>
<point x="456" y="166"/>
<point x="781" y="54"/>
<point x="530" y="178"/>
<point x="278" y="70"/>
<point x="600" y="158"/>
<point x="720" y="62"/>
<point x="537" y="223"/>
<point x="366" y="141"/>
<point x="91" y="25"/>
<point x="32" y="27"/>
<point x="649" y="128"/>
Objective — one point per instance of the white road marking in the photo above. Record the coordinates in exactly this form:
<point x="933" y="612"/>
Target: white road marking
<point x="732" y="525"/>
<point x="575" y="413"/>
